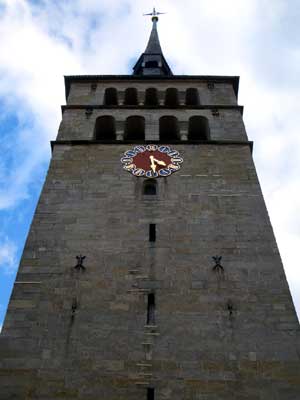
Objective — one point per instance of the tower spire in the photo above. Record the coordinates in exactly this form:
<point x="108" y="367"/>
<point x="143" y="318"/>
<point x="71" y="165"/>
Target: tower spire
<point x="152" y="61"/>
<point x="153" y="46"/>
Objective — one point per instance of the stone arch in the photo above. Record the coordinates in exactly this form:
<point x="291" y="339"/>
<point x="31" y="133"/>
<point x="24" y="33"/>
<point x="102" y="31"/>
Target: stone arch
<point x="198" y="128"/>
<point x="131" y="97"/>
<point x="105" y="128"/>
<point x="171" y="97"/>
<point x="192" y="97"/>
<point x="151" y="97"/>
<point x="111" y="97"/>
<point x="134" y="128"/>
<point x="169" y="128"/>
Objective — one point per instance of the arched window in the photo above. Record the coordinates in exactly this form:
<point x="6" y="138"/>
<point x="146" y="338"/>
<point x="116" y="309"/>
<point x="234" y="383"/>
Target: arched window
<point x="135" y="128"/>
<point x="151" y="97"/>
<point x="105" y="128"/>
<point x="171" y="98"/>
<point x="168" y="128"/>
<point x="111" y="97"/>
<point x="131" y="98"/>
<point x="192" y="97"/>
<point x="198" y="128"/>
<point x="150" y="187"/>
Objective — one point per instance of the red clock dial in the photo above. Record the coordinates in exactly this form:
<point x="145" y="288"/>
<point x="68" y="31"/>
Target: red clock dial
<point x="151" y="161"/>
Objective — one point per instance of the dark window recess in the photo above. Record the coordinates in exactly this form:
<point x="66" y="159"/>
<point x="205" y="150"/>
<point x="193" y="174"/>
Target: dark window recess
<point x="150" y="393"/>
<point x="151" y="97"/>
<point x="149" y="187"/>
<point x="152" y="233"/>
<point x="198" y="128"/>
<point x="131" y="97"/>
<point x="171" y="98"/>
<point x="151" y="309"/>
<point x="151" y="64"/>
<point x="111" y="97"/>
<point x="192" y="97"/>
<point x="168" y="128"/>
<point x="105" y="128"/>
<point x="135" y="128"/>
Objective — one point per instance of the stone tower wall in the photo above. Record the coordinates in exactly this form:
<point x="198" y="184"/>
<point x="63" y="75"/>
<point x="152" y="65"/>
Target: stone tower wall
<point x="217" y="334"/>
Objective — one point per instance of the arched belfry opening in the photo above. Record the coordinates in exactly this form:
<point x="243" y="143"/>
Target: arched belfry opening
<point x="169" y="129"/>
<point x="131" y="97"/>
<point x="151" y="97"/>
<point x="111" y="97"/>
<point x="135" y="128"/>
<point x="198" y="128"/>
<point x="171" y="97"/>
<point x="192" y="97"/>
<point x="105" y="128"/>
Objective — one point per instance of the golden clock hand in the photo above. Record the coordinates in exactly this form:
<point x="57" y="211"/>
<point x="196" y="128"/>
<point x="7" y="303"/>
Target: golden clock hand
<point x="153" y="161"/>
<point x="160" y="162"/>
<point x="152" y="164"/>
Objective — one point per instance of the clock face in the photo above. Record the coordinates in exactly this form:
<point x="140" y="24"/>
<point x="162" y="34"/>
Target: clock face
<point x="151" y="161"/>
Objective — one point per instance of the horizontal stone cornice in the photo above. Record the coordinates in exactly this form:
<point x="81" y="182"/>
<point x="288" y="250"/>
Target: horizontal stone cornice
<point x="146" y="107"/>
<point x="173" y="142"/>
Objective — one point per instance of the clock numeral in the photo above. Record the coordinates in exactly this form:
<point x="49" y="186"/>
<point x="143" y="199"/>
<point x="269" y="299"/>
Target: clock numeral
<point x="164" y="149"/>
<point x="140" y="149"/>
<point x="151" y="174"/>
<point x="164" y="172"/>
<point x="173" y="153"/>
<point x="126" y="160"/>
<point x="151" y="147"/>
<point x="173" y="167"/>
<point x="129" y="167"/>
<point x="177" y="160"/>
<point x="130" y="153"/>
<point x="138" y="172"/>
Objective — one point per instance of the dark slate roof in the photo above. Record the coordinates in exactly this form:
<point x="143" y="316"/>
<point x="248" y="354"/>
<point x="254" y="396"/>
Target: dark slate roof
<point x="153" y="46"/>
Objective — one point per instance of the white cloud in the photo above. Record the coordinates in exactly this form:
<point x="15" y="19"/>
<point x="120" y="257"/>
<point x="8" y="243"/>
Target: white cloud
<point x="42" y="42"/>
<point x="8" y="256"/>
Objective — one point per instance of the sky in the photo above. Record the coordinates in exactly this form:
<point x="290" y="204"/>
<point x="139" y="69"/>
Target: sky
<point x="43" y="40"/>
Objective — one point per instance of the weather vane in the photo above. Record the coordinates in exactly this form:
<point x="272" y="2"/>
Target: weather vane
<point x="154" y="14"/>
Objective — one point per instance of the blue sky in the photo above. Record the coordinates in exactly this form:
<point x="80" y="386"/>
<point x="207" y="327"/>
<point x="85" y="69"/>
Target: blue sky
<point x="40" y="41"/>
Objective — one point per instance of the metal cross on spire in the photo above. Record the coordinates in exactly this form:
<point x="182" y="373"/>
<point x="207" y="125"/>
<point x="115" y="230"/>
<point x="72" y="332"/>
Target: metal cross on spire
<point x="154" y="14"/>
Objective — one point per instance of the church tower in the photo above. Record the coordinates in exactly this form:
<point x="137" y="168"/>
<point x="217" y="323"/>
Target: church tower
<point x="151" y="269"/>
